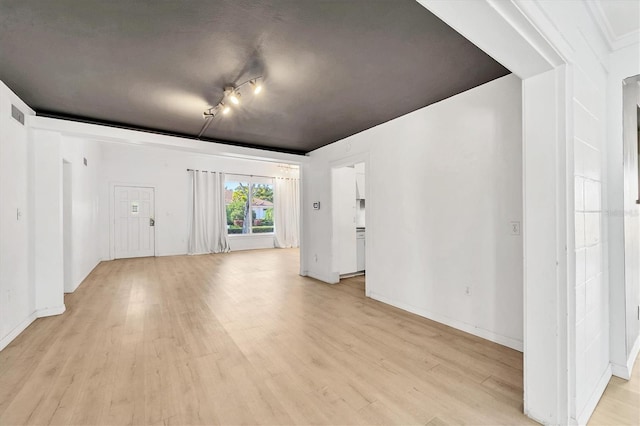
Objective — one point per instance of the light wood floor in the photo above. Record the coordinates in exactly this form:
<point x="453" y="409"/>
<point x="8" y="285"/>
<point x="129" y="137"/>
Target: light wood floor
<point x="242" y="339"/>
<point x="620" y="404"/>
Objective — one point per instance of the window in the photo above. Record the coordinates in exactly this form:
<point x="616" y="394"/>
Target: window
<point x="249" y="204"/>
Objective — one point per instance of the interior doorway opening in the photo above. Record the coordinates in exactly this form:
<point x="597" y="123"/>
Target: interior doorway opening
<point x="349" y="198"/>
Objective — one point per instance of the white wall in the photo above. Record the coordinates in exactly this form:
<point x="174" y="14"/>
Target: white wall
<point x="591" y="278"/>
<point x="571" y="28"/>
<point x="527" y="37"/>
<point x="166" y="170"/>
<point x="17" y="298"/>
<point x="86" y="205"/>
<point x="624" y="219"/>
<point x="443" y="183"/>
<point x="631" y="102"/>
<point x="50" y="150"/>
<point x="46" y="192"/>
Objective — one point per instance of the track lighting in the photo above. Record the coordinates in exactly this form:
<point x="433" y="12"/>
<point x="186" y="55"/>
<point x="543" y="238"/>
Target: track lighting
<point x="232" y="94"/>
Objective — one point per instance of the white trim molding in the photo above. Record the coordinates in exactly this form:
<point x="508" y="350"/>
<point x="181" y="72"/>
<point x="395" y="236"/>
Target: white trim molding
<point x="614" y="41"/>
<point x="40" y="313"/>
<point x="594" y="398"/>
<point x="49" y="312"/>
<point x="624" y="371"/>
<point x="138" y="137"/>
<point x="4" y="342"/>
<point x="459" y="325"/>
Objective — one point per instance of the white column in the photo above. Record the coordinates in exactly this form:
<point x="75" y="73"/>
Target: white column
<point x="548" y="234"/>
<point x="48" y="251"/>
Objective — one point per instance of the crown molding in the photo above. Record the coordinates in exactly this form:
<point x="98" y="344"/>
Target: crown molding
<point x="613" y="41"/>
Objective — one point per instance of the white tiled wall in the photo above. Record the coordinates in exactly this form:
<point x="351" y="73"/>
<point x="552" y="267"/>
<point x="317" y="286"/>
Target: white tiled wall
<point x="590" y="289"/>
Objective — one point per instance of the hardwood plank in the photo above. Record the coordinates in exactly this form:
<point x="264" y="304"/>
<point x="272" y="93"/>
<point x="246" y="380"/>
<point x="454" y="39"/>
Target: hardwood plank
<point x="620" y="403"/>
<point x="240" y="338"/>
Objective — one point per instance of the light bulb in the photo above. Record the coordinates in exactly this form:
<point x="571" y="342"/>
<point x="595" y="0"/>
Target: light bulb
<point x="235" y="98"/>
<point x="226" y="109"/>
<point x="257" y="87"/>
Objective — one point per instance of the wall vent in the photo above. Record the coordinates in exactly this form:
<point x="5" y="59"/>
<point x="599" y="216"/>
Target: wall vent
<point x="17" y="114"/>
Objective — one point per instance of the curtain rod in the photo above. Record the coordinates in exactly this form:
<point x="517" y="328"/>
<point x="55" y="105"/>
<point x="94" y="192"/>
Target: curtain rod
<point x="242" y="174"/>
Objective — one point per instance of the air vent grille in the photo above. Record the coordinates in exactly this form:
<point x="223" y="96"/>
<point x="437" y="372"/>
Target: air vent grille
<point x="17" y="114"/>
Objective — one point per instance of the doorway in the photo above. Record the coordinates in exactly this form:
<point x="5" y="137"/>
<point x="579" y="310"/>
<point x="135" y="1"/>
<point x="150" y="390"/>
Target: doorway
<point x="134" y="221"/>
<point x="67" y="224"/>
<point x="349" y="220"/>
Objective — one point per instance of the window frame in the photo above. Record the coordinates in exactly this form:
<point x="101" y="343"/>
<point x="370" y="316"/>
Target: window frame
<point x="251" y="181"/>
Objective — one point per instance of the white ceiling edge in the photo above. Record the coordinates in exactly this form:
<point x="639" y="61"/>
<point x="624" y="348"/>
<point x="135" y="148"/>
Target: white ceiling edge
<point x="614" y="41"/>
<point x="484" y="22"/>
<point x="136" y="137"/>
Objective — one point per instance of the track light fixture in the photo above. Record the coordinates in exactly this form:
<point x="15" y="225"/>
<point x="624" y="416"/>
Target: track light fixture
<point x="232" y="95"/>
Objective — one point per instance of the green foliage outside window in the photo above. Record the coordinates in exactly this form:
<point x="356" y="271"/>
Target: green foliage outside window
<point x="238" y="208"/>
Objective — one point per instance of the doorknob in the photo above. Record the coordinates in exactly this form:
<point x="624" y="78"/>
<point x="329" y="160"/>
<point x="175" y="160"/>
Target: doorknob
<point x="152" y="222"/>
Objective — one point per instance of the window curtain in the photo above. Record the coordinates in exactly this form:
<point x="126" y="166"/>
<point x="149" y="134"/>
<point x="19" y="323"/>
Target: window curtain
<point x="208" y="217"/>
<point x="286" y="212"/>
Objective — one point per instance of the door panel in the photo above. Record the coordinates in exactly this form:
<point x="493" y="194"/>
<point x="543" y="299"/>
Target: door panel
<point x="134" y="211"/>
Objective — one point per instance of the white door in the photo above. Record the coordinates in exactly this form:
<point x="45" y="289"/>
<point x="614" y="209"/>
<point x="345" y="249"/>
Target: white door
<point x="134" y="222"/>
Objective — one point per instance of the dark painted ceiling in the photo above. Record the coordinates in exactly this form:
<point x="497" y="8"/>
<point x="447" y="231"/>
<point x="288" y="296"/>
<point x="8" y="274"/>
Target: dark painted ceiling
<point x="331" y="68"/>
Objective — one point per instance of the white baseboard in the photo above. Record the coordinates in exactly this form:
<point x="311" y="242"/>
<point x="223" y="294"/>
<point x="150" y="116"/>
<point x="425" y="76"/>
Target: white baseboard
<point x="624" y="371"/>
<point x="49" y="312"/>
<point x="4" y="342"/>
<point x="39" y="313"/>
<point x="329" y="279"/>
<point x="467" y="328"/>
<point x="176" y="253"/>
<point x="621" y="371"/>
<point x="593" y="400"/>
<point x="84" y="277"/>
<point x="635" y="350"/>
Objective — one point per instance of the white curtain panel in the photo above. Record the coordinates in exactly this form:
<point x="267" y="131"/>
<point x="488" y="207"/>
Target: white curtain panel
<point x="286" y="212"/>
<point x="220" y="234"/>
<point x="208" y="218"/>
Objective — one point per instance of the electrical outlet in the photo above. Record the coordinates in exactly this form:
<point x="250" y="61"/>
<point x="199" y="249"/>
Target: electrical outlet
<point x="467" y="290"/>
<point x="514" y="228"/>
